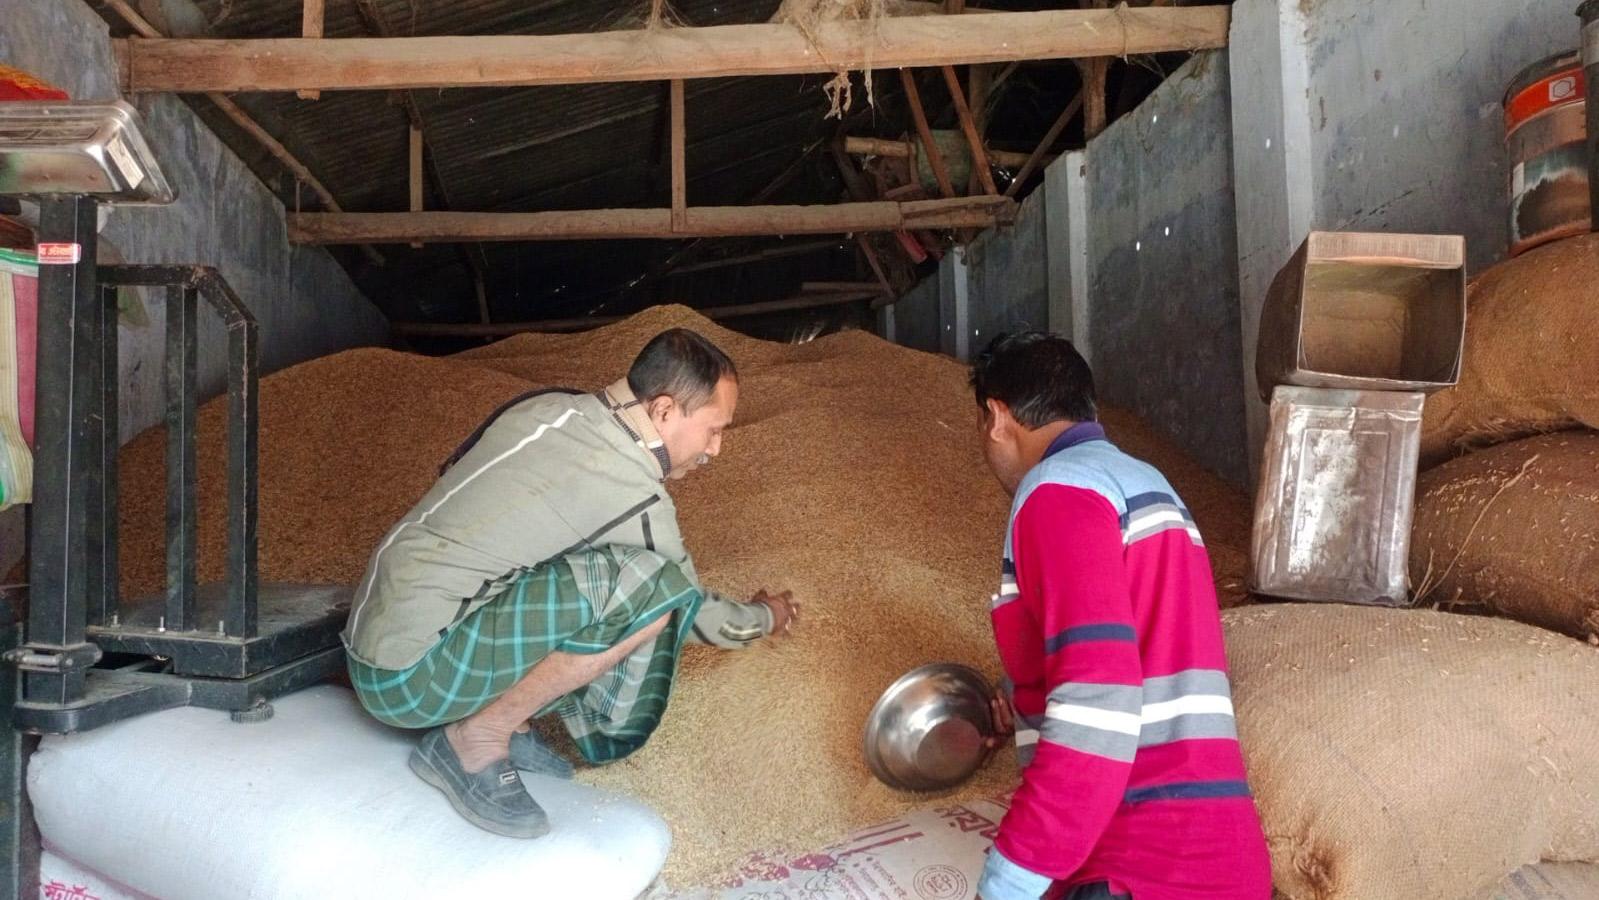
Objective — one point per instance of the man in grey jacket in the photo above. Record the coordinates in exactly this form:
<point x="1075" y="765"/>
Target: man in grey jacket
<point x="545" y="573"/>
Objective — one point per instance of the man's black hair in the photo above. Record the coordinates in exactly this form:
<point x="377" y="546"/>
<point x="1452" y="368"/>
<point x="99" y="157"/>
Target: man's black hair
<point x="1040" y="376"/>
<point x="681" y="364"/>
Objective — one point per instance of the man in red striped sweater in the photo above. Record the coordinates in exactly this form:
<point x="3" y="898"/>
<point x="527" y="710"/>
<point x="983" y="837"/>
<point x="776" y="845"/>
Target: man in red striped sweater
<point x="1133" y="782"/>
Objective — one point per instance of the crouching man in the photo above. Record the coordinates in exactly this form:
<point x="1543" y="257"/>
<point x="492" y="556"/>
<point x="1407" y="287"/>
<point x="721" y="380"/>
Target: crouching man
<point x="544" y="573"/>
<point x="1133" y="782"/>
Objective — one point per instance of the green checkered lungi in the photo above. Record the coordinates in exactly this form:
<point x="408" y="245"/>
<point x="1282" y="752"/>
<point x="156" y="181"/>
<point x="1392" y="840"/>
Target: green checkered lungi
<point x="586" y="602"/>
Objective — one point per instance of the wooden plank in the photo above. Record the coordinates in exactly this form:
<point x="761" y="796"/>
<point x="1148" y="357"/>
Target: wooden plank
<point x="969" y="126"/>
<point x="500" y="329"/>
<point x="872" y="260"/>
<point x="663" y="54"/>
<point x="481" y="289"/>
<point x="837" y="287"/>
<point x="679" y="165"/>
<point x="935" y="159"/>
<point x="868" y="146"/>
<point x="416" y="172"/>
<point x="1048" y="141"/>
<point x="602" y="224"/>
<point x="311" y="27"/>
<point x="1094" y="120"/>
<point x="146" y="31"/>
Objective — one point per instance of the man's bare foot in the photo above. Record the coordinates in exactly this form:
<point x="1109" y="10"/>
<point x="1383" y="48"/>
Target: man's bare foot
<point x="476" y="747"/>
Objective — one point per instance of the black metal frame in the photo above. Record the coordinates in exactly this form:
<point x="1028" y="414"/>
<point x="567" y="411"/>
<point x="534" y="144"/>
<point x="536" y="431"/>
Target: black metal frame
<point x="226" y="648"/>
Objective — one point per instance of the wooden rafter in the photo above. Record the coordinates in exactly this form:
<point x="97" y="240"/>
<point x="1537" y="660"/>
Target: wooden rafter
<point x="1039" y="152"/>
<point x="286" y="64"/>
<point x="602" y="224"/>
<point x="679" y="164"/>
<point x="499" y="329"/>
<point x="472" y="255"/>
<point x="311" y="27"/>
<point x="869" y="146"/>
<point x="935" y="159"/>
<point x="969" y="126"/>
<point x="275" y="148"/>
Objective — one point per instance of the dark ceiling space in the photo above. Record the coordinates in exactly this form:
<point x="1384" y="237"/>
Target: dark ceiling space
<point x="764" y="139"/>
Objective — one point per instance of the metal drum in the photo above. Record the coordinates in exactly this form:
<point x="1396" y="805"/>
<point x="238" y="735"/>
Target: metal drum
<point x="1546" y="141"/>
<point x="1589" y="13"/>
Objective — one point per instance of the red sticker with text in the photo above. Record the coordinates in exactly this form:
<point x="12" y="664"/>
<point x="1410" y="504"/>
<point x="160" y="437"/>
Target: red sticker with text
<point x="60" y="254"/>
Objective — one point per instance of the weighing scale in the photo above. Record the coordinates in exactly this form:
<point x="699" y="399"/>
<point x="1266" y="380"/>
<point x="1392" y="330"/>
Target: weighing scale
<point x="87" y="657"/>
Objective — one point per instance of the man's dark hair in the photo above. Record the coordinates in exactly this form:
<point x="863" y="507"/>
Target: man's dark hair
<point x="682" y="365"/>
<point x="1040" y="376"/>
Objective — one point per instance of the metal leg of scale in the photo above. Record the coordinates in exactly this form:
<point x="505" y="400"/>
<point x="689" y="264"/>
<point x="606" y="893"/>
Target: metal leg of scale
<point x="56" y="657"/>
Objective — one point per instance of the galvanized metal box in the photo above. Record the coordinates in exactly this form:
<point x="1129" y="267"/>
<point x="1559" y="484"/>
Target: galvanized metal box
<point x="1337" y="490"/>
<point x="1366" y="312"/>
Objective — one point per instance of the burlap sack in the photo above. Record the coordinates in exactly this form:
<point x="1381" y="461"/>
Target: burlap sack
<point x="1413" y="754"/>
<point x="1513" y="530"/>
<point x="1532" y="352"/>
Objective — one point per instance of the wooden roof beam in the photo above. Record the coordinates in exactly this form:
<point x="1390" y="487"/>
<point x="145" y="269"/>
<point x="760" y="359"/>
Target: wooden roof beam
<point x="602" y="224"/>
<point x="291" y="64"/>
<point x="583" y="323"/>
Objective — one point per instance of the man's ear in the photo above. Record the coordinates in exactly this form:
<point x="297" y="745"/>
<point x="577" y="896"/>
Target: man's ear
<point x="998" y="421"/>
<point x="659" y="407"/>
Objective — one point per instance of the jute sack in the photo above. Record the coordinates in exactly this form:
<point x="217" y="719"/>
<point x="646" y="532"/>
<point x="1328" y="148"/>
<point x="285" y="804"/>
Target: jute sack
<point x="1532" y="352"/>
<point x="1514" y="530"/>
<point x="1413" y="754"/>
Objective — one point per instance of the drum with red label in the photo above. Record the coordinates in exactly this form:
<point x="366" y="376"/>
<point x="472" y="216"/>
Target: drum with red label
<point x="1545" y="136"/>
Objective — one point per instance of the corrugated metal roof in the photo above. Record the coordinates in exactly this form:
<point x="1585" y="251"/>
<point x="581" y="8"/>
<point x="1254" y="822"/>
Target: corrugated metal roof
<point x="559" y="147"/>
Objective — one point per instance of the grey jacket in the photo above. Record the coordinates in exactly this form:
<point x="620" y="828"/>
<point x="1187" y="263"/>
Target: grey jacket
<point x="551" y="475"/>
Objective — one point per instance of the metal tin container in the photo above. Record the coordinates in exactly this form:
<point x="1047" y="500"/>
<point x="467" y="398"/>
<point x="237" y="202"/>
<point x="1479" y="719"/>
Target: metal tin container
<point x="1589" y="13"/>
<point x="1370" y="312"/>
<point x="1337" y="490"/>
<point x="1546" y="142"/>
<point x="78" y="148"/>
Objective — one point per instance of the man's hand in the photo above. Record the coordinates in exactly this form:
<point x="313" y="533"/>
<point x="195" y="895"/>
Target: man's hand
<point x="785" y="609"/>
<point x="1004" y="722"/>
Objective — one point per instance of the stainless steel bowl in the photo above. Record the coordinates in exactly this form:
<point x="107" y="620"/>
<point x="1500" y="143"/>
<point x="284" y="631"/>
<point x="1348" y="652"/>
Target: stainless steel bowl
<point x="926" y="732"/>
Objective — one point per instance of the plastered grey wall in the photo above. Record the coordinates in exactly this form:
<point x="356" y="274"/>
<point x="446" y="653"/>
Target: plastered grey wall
<point x="1162" y="266"/>
<point x="1351" y="115"/>
<point x="1407" y="128"/>
<point x="1007" y="274"/>
<point x="224" y="217"/>
<point x="916" y="322"/>
<point x="1149" y="208"/>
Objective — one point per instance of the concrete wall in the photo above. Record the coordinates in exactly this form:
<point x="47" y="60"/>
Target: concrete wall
<point x="225" y="217"/>
<point x="1129" y="248"/>
<point x="997" y="283"/>
<point x="1007" y="276"/>
<point x="1162" y="273"/>
<point x="1350" y="115"/>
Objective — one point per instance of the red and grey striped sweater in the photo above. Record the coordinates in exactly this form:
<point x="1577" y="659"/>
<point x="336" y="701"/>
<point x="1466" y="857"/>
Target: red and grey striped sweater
<point x="1108" y="629"/>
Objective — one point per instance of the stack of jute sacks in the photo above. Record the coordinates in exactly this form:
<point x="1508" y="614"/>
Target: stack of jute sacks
<point x="1417" y="752"/>
<point x="1507" y="508"/>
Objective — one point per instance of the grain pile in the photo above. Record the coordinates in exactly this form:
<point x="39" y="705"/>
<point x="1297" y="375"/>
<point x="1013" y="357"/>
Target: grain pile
<point x="1530" y="352"/>
<point x="1514" y="530"/>
<point x="348" y="444"/>
<point x="852" y="476"/>
<point x="1413" y="754"/>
